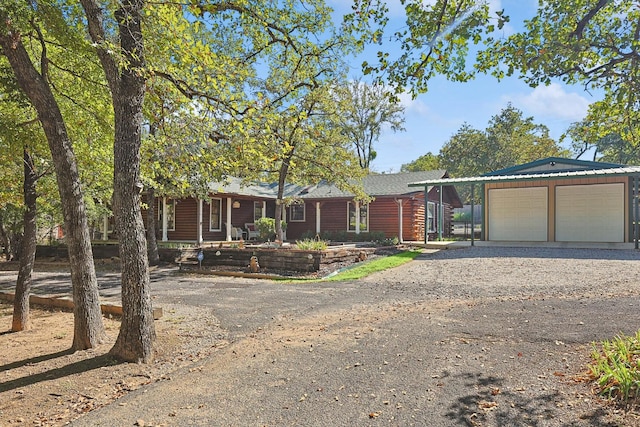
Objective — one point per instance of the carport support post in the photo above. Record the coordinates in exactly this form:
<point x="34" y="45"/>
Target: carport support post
<point x="473" y="223"/>
<point x="636" y="227"/>
<point x="440" y="216"/>
<point x="483" y="222"/>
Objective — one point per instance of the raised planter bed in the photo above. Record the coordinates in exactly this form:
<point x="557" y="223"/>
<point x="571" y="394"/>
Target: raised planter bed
<point x="274" y="259"/>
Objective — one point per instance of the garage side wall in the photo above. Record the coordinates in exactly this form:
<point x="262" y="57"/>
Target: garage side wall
<point x="553" y="221"/>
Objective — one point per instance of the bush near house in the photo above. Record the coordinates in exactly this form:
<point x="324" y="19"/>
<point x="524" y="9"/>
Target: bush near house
<point x="344" y="236"/>
<point x="267" y="228"/>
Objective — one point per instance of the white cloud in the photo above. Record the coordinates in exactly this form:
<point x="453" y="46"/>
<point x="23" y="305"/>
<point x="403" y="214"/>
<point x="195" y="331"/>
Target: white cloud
<point x="413" y="106"/>
<point x="552" y="101"/>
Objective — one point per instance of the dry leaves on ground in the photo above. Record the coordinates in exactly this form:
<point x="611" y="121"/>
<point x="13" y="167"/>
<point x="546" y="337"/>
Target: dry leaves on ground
<point x="43" y="383"/>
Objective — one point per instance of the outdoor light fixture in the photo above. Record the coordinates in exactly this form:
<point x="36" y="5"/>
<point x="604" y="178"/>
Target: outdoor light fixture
<point x="236" y="204"/>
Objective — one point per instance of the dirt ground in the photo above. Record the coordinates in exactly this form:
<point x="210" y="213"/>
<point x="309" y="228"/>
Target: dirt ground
<point x="398" y="348"/>
<point x="42" y="383"/>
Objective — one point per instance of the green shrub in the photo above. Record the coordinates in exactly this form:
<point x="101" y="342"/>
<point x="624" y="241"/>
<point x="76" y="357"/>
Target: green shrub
<point x="267" y="228"/>
<point x="462" y="216"/>
<point x="312" y="244"/>
<point x="616" y="367"/>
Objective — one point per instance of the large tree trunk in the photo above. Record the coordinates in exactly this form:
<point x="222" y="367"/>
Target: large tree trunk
<point x="152" y="241"/>
<point x="88" y="327"/>
<point x="282" y="178"/>
<point x="28" y="255"/>
<point x="137" y="331"/>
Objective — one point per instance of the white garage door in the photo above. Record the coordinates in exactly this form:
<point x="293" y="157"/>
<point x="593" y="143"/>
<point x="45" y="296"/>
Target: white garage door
<point x="518" y="214"/>
<point x="590" y="213"/>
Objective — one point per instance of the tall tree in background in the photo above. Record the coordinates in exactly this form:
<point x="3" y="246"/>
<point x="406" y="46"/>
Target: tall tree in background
<point x="592" y="43"/>
<point x="612" y="148"/>
<point x="367" y="110"/>
<point x="510" y="139"/>
<point x="18" y="20"/>
<point x="426" y="162"/>
<point x="466" y="153"/>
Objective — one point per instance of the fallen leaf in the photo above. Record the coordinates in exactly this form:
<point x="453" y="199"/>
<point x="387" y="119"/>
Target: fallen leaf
<point x="487" y="406"/>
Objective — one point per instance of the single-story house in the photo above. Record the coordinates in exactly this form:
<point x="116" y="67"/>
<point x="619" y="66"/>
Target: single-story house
<point x="232" y="208"/>
<point x="556" y="200"/>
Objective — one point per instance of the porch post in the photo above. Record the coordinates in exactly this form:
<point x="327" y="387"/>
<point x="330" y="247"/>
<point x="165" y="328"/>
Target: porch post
<point x="357" y="217"/>
<point x="264" y="208"/>
<point x="473" y="222"/>
<point x="199" y="233"/>
<point x="165" y="223"/>
<point x="426" y="215"/>
<point x="228" y="227"/>
<point x="400" y="216"/>
<point x="105" y="228"/>
<point x="317" y="217"/>
<point x="440" y="216"/>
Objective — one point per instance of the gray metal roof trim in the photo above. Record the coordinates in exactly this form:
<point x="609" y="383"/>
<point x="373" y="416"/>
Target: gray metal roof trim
<point x="627" y="170"/>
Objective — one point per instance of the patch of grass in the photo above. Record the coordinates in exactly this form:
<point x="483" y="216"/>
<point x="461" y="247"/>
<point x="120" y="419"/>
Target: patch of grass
<point x="616" y="367"/>
<point x="360" y="270"/>
<point x="311" y="244"/>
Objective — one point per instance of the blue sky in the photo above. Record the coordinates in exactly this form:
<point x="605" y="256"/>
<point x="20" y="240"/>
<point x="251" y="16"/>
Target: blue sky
<point x="432" y="118"/>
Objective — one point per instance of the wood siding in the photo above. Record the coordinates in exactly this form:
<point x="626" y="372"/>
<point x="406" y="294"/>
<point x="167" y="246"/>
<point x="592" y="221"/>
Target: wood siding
<point x="383" y="217"/>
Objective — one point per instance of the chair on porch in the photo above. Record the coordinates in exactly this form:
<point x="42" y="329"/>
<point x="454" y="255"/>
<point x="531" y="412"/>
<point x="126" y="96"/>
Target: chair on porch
<point x="236" y="232"/>
<point x="252" y="231"/>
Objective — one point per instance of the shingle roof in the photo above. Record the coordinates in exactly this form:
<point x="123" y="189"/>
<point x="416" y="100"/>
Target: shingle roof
<point x="237" y="186"/>
<point x="374" y="185"/>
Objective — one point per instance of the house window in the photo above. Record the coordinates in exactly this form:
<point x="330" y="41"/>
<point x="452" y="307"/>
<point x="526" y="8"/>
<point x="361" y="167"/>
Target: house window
<point x="215" y="215"/>
<point x="358" y="211"/>
<point x="257" y="211"/>
<point x="431" y="216"/>
<point x="171" y="214"/>
<point x="297" y="212"/>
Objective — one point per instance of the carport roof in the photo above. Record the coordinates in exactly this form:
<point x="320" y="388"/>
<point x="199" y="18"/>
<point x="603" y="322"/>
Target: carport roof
<point x="617" y="171"/>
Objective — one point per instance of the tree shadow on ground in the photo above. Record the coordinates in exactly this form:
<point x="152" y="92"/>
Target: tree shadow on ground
<point x="53" y="374"/>
<point x="32" y="360"/>
<point x="491" y="404"/>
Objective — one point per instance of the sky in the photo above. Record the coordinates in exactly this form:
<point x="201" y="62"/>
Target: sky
<point x="432" y="118"/>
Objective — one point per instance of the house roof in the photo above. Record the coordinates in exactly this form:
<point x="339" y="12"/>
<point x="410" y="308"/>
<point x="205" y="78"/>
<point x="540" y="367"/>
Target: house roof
<point x="237" y="186"/>
<point x="374" y="185"/>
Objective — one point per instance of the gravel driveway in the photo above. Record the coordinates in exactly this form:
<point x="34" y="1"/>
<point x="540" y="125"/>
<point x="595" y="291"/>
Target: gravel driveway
<point x="478" y="336"/>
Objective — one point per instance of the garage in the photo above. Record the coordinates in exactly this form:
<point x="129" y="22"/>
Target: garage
<point x="561" y="202"/>
<point x="518" y="214"/>
<point x="590" y="213"/>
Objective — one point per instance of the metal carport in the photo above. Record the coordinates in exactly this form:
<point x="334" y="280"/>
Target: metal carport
<point x="626" y="171"/>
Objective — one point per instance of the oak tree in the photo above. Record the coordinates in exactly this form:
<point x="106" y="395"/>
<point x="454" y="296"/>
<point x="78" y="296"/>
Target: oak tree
<point x="582" y="42"/>
<point x="20" y="22"/>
